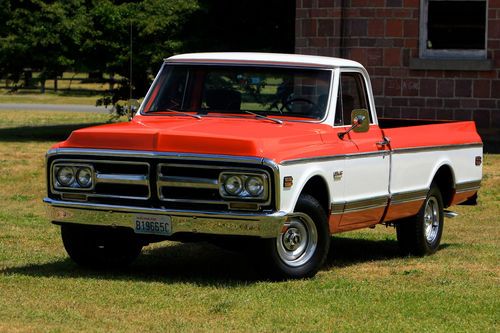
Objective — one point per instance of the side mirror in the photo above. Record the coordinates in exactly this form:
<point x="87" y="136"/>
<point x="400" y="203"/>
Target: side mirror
<point x="360" y="122"/>
<point x="360" y="118"/>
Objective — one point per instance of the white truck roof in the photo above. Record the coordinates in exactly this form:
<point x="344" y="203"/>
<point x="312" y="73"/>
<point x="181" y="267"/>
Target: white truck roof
<point x="264" y="58"/>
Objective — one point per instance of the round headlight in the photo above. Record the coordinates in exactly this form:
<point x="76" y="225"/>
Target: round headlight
<point x="84" y="177"/>
<point x="65" y="176"/>
<point x="254" y="186"/>
<point x="233" y="185"/>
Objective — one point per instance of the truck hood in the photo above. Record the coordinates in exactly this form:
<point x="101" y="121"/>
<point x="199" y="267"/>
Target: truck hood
<point x="242" y="136"/>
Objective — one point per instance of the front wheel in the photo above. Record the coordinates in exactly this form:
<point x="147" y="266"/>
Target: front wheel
<point x="302" y="246"/>
<point x="100" y="247"/>
<point x="421" y="234"/>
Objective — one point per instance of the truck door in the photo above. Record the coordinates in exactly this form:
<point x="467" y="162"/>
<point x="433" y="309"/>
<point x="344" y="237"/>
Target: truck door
<point x="367" y="159"/>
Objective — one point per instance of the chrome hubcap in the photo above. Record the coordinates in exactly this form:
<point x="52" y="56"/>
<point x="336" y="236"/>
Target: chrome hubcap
<point x="431" y="219"/>
<point x="292" y="239"/>
<point x="297" y="243"/>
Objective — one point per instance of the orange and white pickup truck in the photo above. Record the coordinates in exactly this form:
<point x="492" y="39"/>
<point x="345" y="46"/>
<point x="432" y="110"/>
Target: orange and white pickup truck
<point x="285" y="150"/>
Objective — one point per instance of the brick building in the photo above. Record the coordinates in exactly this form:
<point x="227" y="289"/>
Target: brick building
<point x="432" y="59"/>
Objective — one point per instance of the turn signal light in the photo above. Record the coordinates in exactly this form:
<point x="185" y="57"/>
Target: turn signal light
<point x="288" y="181"/>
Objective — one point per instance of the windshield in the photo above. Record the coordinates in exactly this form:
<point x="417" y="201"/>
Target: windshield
<point x="267" y="91"/>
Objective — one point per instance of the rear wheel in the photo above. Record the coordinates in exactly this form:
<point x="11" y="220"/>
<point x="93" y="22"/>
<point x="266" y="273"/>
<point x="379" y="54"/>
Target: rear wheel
<point x="421" y="234"/>
<point x="302" y="247"/>
<point x="100" y="247"/>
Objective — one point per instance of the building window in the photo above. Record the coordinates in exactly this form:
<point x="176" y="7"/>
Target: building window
<point x="453" y="29"/>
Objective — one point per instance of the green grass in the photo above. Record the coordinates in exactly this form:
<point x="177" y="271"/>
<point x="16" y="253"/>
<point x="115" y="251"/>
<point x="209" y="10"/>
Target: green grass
<point x="34" y="97"/>
<point x="364" y="287"/>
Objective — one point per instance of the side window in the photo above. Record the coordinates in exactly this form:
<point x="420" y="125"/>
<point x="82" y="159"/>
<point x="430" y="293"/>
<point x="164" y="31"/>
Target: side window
<point x="351" y="96"/>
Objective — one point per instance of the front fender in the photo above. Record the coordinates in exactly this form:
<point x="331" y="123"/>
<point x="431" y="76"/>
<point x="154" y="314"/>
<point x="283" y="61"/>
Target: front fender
<point x="301" y="174"/>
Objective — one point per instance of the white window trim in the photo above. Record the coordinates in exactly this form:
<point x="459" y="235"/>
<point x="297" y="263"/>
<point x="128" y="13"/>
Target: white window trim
<point x="451" y="53"/>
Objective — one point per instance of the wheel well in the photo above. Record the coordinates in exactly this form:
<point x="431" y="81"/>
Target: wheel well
<point x="317" y="188"/>
<point x="444" y="181"/>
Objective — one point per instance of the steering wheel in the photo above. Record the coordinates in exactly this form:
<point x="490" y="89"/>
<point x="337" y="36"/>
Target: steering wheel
<point x="287" y="104"/>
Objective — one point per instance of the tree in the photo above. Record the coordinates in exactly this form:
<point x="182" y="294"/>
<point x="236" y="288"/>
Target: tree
<point x="44" y="35"/>
<point x="94" y="35"/>
<point x="155" y="27"/>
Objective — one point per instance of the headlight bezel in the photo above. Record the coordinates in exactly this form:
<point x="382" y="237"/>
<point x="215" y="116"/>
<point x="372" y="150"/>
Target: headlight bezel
<point x="244" y="194"/>
<point x="75" y="184"/>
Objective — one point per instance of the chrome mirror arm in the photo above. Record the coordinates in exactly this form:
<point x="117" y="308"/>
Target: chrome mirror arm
<point x="357" y="121"/>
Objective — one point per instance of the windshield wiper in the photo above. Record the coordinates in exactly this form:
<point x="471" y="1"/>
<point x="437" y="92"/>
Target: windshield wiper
<point x="177" y="112"/>
<point x="261" y="116"/>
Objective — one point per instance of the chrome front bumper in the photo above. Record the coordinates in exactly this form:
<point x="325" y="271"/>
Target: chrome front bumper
<point x="216" y="223"/>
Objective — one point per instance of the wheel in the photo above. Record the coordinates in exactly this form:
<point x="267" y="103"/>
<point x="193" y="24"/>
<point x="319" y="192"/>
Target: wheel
<point x="100" y="247"/>
<point x="302" y="247"/>
<point x="421" y="234"/>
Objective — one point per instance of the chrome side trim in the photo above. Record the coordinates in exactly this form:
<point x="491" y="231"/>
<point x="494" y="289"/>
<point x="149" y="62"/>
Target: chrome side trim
<point x="122" y="179"/>
<point x="467" y="186"/>
<point x="440" y="147"/>
<point x="204" y="222"/>
<point x="377" y="153"/>
<point x="359" y="205"/>
<point x="409" y="196"/>
<point x="334" y="157"/>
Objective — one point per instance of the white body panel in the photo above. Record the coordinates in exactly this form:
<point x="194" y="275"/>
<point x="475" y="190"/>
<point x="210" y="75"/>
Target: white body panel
<point x="414" y="170"/>
<point x="366" y="177"/>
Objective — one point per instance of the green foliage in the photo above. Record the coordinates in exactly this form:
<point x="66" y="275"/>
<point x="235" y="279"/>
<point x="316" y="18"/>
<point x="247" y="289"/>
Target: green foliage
<point x="41" y="34"/>
<point x="52" y="36"/>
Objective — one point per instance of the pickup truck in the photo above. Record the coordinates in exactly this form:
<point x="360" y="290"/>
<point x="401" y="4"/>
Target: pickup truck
<point x="275" y="151"/>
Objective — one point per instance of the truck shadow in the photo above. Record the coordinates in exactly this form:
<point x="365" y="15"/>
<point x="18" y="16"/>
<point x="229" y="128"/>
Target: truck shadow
<point x="206" y="264"/>
<point x="351" y="251"/>
<point x="40" y="133"/>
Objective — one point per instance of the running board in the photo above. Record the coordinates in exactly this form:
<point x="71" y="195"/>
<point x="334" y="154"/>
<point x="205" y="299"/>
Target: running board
<point x="450" y="214"/>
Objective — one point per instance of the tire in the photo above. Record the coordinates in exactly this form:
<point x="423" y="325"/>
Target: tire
<point x="100" y="247"/>
<point x="421" y="235"/>
<point x="301" y="249"/>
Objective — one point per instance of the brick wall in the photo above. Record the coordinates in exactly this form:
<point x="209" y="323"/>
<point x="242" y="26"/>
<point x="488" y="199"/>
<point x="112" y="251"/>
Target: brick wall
<point x="383" y="35"/>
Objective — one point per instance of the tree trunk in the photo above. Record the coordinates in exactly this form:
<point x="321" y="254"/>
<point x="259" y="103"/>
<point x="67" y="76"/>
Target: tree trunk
<point x="55" y="83"/>
<point x="42" y="78"/>
<point x="42" y="86"/>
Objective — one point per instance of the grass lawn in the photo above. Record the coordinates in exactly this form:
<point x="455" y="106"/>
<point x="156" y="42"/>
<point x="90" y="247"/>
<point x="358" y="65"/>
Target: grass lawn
<point x="34" y="97"/>
<point x="365" y="286"/>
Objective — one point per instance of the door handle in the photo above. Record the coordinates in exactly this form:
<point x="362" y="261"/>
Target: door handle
<point x="385" y="142"/>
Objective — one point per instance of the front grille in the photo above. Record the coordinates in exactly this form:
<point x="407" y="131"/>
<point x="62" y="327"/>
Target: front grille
<point x="196" y="184"/>
<point x="115" y="179"/>
<point x="172" y="184"/>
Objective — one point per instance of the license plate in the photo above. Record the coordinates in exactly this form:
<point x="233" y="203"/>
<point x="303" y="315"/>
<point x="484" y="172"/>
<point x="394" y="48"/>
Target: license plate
<point x="152" y="224"/>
